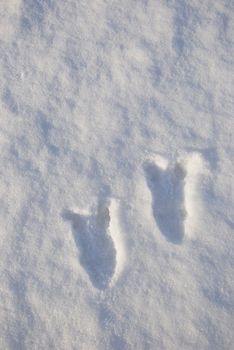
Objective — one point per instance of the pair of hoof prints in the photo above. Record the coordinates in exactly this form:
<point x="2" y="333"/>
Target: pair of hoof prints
<point x="98" y="236"/>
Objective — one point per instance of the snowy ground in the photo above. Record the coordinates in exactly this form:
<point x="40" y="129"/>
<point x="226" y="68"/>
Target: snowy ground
<point x="116" y="164"/>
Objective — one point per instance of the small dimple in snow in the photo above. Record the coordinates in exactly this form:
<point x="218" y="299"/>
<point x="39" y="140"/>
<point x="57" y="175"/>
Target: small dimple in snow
<point x="10" y="101"/>
<point x="96" y="248"/>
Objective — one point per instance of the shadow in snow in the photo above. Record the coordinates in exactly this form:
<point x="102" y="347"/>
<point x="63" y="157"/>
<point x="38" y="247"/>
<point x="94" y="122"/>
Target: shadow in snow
<point x="34" y="12"/>
<point x="10" y="101"/>
<point x="45" y="128"/>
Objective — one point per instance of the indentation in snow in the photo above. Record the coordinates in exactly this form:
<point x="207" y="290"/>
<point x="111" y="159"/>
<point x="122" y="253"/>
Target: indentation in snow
<point x="99" y="243"/>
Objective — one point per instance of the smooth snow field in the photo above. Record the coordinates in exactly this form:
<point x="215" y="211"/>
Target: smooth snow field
<point x="116" y="174"/>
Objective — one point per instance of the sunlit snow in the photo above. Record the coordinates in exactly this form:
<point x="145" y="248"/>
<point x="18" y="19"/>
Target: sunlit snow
<point x="116" y="174"/>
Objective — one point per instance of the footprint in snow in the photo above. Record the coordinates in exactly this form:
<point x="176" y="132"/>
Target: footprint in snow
<point x="96" y="248"/>
<point x="167" y="189"/>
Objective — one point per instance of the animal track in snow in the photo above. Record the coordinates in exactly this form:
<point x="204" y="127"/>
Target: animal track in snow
<point x="99" y="242"/>
<point x="174" y="194"/>
<point x="167" y="189"/>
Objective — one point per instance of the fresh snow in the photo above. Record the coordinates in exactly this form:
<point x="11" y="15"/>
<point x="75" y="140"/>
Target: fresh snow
<point x="117" y="167"/>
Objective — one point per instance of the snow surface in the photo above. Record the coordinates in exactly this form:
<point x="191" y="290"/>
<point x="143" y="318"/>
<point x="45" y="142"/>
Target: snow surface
<point x="117" y="163"/>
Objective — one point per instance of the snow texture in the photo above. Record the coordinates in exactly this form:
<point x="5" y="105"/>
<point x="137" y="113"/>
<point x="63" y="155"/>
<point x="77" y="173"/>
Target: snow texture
<point x="116" y="168"/>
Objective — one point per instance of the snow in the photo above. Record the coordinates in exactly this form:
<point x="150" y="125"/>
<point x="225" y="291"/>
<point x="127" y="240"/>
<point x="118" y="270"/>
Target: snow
<point x="116" y="167"/>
